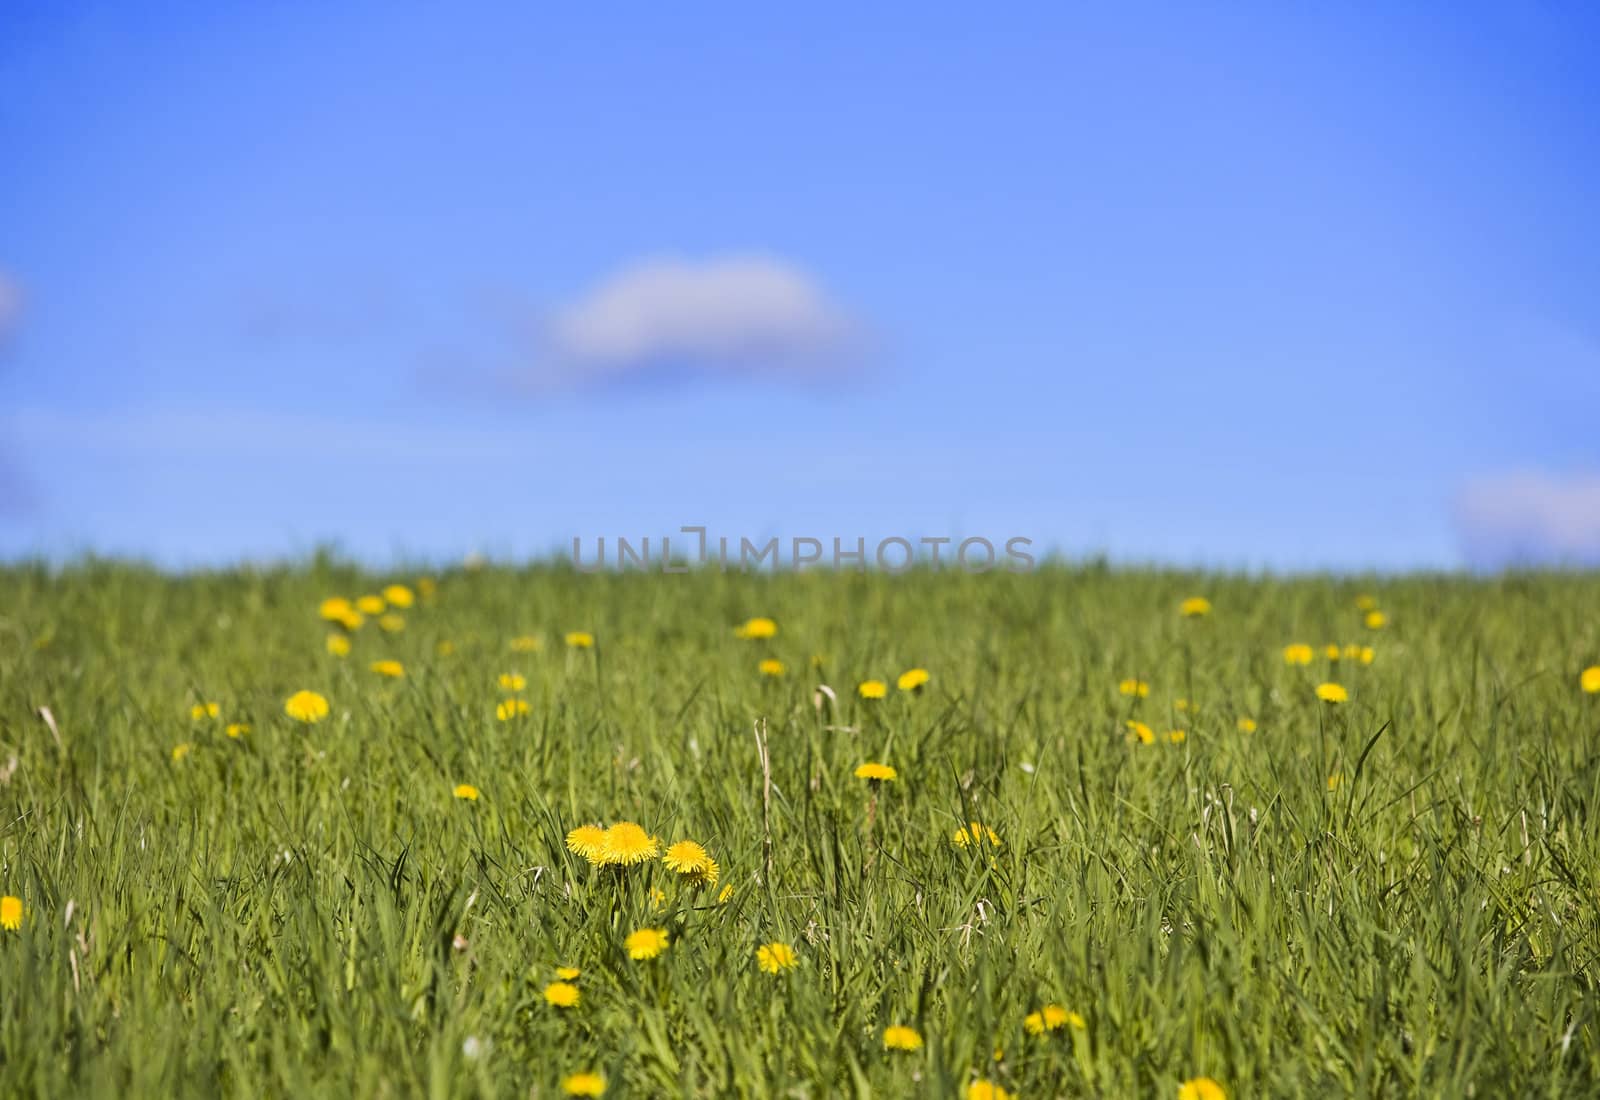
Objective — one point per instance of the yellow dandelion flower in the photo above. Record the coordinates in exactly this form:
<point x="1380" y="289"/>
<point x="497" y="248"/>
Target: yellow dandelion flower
<point x="646" y="943"/>
<point x="872" y="689"/>
<point x="371" y="605"/>
<point x="353" y="621"/>
<point x="568" y="973"/>
<point x="236" y="730"/>
<point x="1194" y="607"/>
<point x="398" y="595"/>
<point x="1138" y="731"/>
<point x="583" y="1084"/>
<point x="876" y="773"/>
<point x="772" y="667"/>
<point x="525" y="643"/>
<point x="1201" y="1088"/>
<point x="1334" y="780"/>
<point x="756" y="629"/>
<point x="580" y="639"/>
<point x="204" y="710"/>
<point x="626" y="844"/>
<point x="466" y="791"/>
<point x="1589" y="680"/>
<point x="1366" y="655"/>
<point x="306" y="706"/>
<point x="391" y="623"/>
<point x="1136" y="688"/>
<point x="561" y="994"/>
<point x="776" y="957"/>
<point x="900" y="1037"/>
<point x="335" y="609"/>
<point x="1297" y="654"/>
<point x="1352" y="653"/>
<point x="1375" y="620"/>
<point x="180" y="751"/>
<point x="983" y="1089"/>
<point x="691" y="860"/>
<point x="1246" y="725"/>
<point x="587" y="841"/>
<point x="1332" y="693"/>
<point x="976" y="833"/>
<point x="727" y="892"/>
<point x="392" y="669"/>
<point x="1057" y="1017"/>
<point x="513" y="681"/>
<point x="511" y="708"/>
<point x="912" y="679"/>
<point x="1331" y="651"/>
<point x="10" y="913"/>
<point x="338" y="645"/>
<point x="1177" y="737"/>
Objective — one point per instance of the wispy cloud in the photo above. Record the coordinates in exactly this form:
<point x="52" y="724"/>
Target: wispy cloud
<point x="670" y="318"/>
<point x="10" y="303"/>
<point x="1530" y="518"/>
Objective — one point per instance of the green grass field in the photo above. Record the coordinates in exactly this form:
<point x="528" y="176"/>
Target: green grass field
<point x="1396" y="895"/>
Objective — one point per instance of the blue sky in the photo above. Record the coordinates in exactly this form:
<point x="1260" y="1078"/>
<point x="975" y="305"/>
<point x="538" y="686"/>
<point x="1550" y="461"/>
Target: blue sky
<point x="1272" y="286"/>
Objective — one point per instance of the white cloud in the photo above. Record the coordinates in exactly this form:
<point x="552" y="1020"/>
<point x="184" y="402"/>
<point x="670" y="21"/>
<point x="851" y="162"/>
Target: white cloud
<point x="1530" y="518"/>
<point x="736" y="314"/>
<point x="10" y="303"/>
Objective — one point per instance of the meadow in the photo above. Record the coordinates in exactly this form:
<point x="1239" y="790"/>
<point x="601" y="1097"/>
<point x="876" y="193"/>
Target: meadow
<point x="1318" y="837"/>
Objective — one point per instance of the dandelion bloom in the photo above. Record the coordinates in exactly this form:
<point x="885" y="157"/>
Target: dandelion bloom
<point x="236" y="730"/>
<point x="776" y="957"/>
<point x="561" y="994"/>
<point x="1134" y="687"/>
<point x="1246" y="725"/>
<point x="1332" y="693"/>
<point x="580" y="639"/>
<point x="771" y="667"/>
<point x="338" y="645"/>
<point x="872" y="689"/>
<point x="371" y="605"/>
<point x="525" y="643"/>
<point x="392" y="623"/>
<point x="392" y="669"/>
<point x="1589" y="680"/>
<point x="1201" y="1088"/>
<point x="511" y="708"/>
<point x="1194" y="607"/>
<point x="466" y="791"/>
<point x="646" y="943"/>
<point x="911" y="679"/>
<point x="982" y="1089"/>
<point x="900" y="1037"/>
<point x="568" y="973"/>
<point x="583" y="1084"/>
<point x="875" y="773"/>
<point x="1375" y="620"/>
<point x="513" y="681"/>
<point x="690" y="859"/>
<point x="727" y="892"/>
<point x="1366" y="655"/>
<point x="626" y="844"/>
<point x="1334" y="780"/>
<point x="1177" y="737"/>
<point x="335" y="609"/>
<point x="10" y="912"/>
<point x="1141" y="732"/>
<point x="976" y="833"/>
<point x="1331" y="651"/>
<point x="204" y="710"/>
<point x="587" y="841"/>
<point x="398" y="595"/>
<point x="306" y="706"/>
<point x="1297" y="654"/>
<point x="180" y="751"/>
<point x="756" y="628"/>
